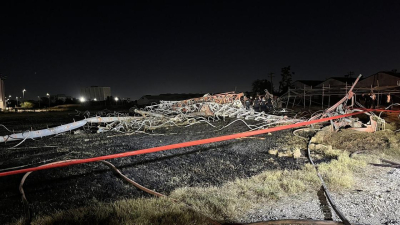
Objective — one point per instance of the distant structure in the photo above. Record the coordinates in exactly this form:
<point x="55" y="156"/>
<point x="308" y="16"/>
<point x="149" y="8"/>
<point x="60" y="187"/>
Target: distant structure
<point x="381" y="80"/>
<point x="300" y="84"/>
<point x="2" y="95"/>
<point x="96" y="92"/>
<point x="337" y="82"/>
<point x="308" y="92"/>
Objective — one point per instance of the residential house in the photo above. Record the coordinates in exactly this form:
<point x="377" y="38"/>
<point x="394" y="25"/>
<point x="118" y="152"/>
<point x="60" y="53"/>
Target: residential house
<point x="381" y="79"/>
<point x="307" y="84"/>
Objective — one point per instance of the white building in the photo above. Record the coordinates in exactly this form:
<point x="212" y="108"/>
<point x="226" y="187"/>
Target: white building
<point x="2" y="95"/>
<point x="95" y="92"/>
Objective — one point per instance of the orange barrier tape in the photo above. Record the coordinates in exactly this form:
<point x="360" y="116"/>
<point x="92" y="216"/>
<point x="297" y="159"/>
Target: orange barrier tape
<point x="180" y="145"/>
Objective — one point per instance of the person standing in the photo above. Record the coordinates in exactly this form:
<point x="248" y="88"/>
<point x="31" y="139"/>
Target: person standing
<point x="247" y="103"/>
<point x="242" y="100"/>
<point x="263" y="105"/>
<point x="269" y="104"/>
<point x="278" y="103"/>
<point x="368" y="101"/>
<point x="363" y="99"/>
<point x="389" y="101"/>
<point x="256" y="105"/>
<point x="373" y="97"/>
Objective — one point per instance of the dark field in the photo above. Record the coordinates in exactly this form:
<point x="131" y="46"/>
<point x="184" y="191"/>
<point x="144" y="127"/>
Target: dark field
<point x="64" y="188"/>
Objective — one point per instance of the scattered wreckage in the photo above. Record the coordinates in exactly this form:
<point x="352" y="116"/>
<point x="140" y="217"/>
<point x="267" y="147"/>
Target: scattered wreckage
<point x="207" y="109"/>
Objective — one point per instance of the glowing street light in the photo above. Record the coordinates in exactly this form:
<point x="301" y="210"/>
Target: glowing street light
<point x="116" y="100"/>
<point x="49" y="98"/>
<point x="95" y="99"/>
<point x="82" y="99"/>
<point x="23" y="94"/>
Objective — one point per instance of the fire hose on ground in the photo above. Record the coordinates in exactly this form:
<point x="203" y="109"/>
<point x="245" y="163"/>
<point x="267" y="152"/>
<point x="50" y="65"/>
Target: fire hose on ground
<point x="188" y="144"/>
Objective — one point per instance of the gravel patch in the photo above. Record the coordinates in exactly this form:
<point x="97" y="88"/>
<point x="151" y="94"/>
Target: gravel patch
<point x="375" y="199"/>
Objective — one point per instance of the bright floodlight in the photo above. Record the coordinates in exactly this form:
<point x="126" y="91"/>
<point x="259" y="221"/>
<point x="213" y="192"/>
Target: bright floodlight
<point x="116" y="99"/>
<point x="95" y="99"/>
<point x="82" y="99"/>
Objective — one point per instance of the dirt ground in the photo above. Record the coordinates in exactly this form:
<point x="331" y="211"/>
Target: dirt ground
<point x="70" y="187"/>
<point x="80" y="185"/>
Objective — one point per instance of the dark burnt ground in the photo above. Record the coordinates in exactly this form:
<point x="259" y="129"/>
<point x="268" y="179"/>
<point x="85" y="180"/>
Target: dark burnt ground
<point x="80" y="185"/>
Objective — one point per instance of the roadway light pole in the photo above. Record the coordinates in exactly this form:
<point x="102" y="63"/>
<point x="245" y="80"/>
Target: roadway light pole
<point x="49" y="98"/>
<point x="23" y="94"/>
<point x="39" y="101"/>
<point x="17" y="102"/>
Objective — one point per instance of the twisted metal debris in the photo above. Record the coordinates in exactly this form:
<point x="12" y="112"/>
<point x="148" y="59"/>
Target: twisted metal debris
<point x="207" y="109"/>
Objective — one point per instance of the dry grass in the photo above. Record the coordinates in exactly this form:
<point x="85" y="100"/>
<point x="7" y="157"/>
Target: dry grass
<point x="233" y="200"/>
<point x="228" y="202"/>
<point x="383" y="144"/>
<point x="133" y="211"/>
<point x="339" y="173"/>
<point x="351" y="140"/>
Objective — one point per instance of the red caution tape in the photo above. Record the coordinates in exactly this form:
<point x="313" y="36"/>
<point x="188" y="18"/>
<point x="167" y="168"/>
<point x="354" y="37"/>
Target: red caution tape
<point x="179" y="145"/>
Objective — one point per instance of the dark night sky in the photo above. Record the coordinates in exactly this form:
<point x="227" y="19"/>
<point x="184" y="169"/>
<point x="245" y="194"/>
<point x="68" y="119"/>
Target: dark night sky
<point x="192" y="46"/>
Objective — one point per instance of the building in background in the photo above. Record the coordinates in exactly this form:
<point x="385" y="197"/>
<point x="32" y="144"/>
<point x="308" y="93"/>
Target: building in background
<point x="337" y="82"/>
<point x="96" y="92"/>
<point x="2" y="95"/>
<point x="382" y="79"/>
<point x="301" y="84"/>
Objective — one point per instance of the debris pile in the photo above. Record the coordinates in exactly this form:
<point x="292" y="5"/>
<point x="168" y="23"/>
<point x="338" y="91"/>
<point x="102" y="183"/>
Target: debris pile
<point x="207" y="109"/>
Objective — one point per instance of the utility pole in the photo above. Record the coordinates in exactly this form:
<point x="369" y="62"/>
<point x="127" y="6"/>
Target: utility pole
<point x="271" y="76"/>
<point x="350" y="74"/>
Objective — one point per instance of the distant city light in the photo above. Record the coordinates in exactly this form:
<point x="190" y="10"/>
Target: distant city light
<point x="95" y="99"/>
<point x="82" y="99"/>
<point x="116" y="98"/>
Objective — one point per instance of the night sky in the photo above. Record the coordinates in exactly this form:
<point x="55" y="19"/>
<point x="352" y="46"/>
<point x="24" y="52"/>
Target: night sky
<point x="156" y="47"/>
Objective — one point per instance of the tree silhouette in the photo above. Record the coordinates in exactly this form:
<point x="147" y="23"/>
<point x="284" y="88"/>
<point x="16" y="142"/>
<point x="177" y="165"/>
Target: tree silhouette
<point x="286" y="81"/>
<point x="258" y="86"/>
